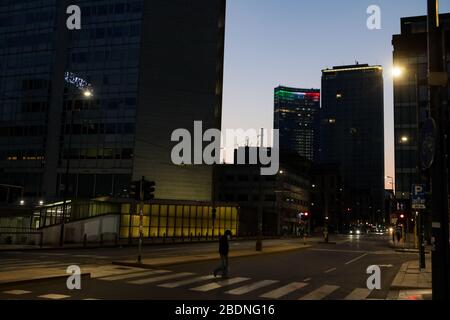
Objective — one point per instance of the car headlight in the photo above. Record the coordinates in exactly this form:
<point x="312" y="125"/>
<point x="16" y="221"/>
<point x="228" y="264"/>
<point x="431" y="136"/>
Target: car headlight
<point x="358" y="232"/>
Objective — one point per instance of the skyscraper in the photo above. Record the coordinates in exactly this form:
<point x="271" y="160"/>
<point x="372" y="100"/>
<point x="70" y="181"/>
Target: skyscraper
<point x="411" y="106"/>
<point x="296" y="112"/>
<point x="352" y="134"/>
<point x="150" y="67"/>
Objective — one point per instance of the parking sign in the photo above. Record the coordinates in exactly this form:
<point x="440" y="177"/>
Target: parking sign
<point x="418" y="197"/>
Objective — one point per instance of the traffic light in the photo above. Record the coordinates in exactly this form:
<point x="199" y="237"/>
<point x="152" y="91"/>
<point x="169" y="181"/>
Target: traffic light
<point x="148" y="190"/>
<point x="135" y="190"/>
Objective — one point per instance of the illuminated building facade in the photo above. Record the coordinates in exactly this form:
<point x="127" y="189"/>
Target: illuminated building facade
<point x="144" y="83"/>
<point x="296" y="112"/>
<point x="411" y="95"/>
<point x="352" y="135"/>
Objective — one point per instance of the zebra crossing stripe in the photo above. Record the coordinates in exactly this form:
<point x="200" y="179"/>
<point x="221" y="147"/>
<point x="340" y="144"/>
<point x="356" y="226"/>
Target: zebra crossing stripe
<point x="251" y="287"/>
<point x="185" y="282"/>
<point x="283" y="291"/>
<point x="220" y="284"/>
<point x="162" y="278"/>
<point x="133" y="275"/>
<point x="320" y="293"/>
<point x="54" y="296"/>
<point x="359" y="294"/>
<point x="17" y="292"/>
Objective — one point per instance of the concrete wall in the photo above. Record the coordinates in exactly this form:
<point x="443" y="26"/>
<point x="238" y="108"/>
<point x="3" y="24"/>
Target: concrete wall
<point x="94" y="228"/>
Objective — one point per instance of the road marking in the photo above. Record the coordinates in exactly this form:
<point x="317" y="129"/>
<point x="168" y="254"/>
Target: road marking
<point x="320" y="293"/>
<point x="331" y="270"/>
<point x="356" y="259"/>
<point x="251" y="287"/>
<point x="386" y="265"/>
<point x="162" y="278"/>
<point x="185" y="282"/>
<point x="307" y="280"/>
<point x="283" y="291"/>
<point x="133" y="275"/>
<point x="337" y="250"/>
<point x="220" y="284"/>
<point x="17" y="292"/>
<point x="54" y="296"/>
<point x="359" y="294"/>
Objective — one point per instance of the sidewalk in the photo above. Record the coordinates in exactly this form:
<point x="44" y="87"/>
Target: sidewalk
<point x="213" y="255"/>
<point x="412" y="283"/>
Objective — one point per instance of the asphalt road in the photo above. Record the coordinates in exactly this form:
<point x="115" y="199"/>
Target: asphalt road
<point x="324" y="271"/>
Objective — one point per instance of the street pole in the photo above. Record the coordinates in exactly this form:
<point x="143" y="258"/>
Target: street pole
<point x="260" y="218"/>
<point x="260" y="201"/>
<point x="439" y="189"/>
<point x="141" y="219"/>
<point x="419" y="214"/>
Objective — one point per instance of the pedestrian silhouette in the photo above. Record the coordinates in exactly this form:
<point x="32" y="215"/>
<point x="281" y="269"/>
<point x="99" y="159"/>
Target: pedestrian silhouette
<point x="399" y="233"/>
<point x="223" y="251"/>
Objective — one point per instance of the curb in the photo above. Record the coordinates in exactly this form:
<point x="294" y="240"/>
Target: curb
<point x="180" y="262"/>
<point x="127" y="244"/>
<point x="38" y="280"/>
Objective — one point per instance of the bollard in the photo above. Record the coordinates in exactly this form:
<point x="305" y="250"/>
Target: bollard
<point x="85" y="240"/>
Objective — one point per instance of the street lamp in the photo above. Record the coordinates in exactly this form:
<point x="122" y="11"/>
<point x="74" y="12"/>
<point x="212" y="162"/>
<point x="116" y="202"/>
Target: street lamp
<point x="87" y="92"/>
<point x="397" y="72"/>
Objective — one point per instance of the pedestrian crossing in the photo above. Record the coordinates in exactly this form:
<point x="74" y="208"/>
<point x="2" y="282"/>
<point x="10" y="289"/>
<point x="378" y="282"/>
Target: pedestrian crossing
<point x="233" y="288"/>
<point x="238" y="286"/>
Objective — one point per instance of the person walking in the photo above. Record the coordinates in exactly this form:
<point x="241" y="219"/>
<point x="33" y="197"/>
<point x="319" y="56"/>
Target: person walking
<point x="223" y="251"/>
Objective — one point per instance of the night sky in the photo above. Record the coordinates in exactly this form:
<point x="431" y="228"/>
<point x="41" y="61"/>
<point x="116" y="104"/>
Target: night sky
<point x="289" y="42"/>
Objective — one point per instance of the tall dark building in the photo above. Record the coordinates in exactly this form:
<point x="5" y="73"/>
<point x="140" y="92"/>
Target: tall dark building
<point x="411" y="97"/>
<point x="150" y="67"/>
<point x="352" y="134"/>
<point x="296" y="112"/>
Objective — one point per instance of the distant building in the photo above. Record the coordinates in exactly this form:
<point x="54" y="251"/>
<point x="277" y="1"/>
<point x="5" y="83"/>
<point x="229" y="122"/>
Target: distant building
<point x="296" y="112"/>
<point x="150" y="67"/>
<point x="352" y="134"/>
<point x="282" y="197"/>
<point x="327" y="198"/>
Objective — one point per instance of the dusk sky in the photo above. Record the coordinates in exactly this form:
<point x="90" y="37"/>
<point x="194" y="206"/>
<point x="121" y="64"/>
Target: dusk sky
<point x="289" y="42"/>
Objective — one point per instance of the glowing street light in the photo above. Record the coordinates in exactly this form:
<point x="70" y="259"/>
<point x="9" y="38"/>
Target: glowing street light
<point x="397" y="72"/>
<point x="404" y="139"/>
<point x="87" y="93"/>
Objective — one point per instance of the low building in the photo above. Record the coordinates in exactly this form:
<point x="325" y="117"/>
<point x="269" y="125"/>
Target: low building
<point x="119" y="220"/>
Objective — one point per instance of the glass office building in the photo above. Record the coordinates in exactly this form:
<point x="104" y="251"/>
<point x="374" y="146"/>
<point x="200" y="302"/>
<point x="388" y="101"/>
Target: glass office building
<point x="296" y="112"/>
<point x="148" y="68"/>
<point x="411" y="98"/>
<point x="352" y="134"/>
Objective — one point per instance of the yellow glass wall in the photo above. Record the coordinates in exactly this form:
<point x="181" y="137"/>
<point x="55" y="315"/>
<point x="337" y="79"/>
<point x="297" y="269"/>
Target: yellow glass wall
<point x="171" y="220"/>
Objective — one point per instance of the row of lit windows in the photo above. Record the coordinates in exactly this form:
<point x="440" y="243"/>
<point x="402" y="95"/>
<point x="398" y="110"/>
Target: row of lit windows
<point x="179" y="221"/>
